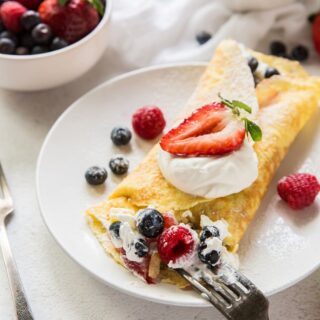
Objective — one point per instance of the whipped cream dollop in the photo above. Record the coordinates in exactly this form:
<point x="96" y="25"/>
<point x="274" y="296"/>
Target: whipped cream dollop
<point x="211" y="177"/>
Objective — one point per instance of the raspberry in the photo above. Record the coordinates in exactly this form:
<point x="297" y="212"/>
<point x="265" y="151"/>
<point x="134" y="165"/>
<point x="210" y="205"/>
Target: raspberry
<point x="148" y="122"/>
<point x="176" y="242"/>
<point x="10" y="13"/>
<point x="299" y="190"/>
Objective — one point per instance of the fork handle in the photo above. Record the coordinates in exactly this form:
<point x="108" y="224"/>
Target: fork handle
<point x="22" y="308"/>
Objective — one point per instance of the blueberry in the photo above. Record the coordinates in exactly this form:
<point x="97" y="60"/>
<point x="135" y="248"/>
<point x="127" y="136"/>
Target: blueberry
<point x="119" y="165"/>
<point x="6" y="46"/>
<point x="41" y="33"/>
<point x="114" y="228"/>
<point x="96" y="175"/>
<point x="29" y="20"/>
<point x="22" y="51"/>
<point x="278" y="48"/>
<point x="203" y="36"/>
<point x="39" y="49"/>
<point x="150" y="222"/>
<point x="141" y="248"/>
<point x="271" y="72"/>
<point x="26" y="40"/>
<point x="211" y="258"/>
<point x="121" y="136"/>
<point x="9" y="35"/>
<point x="58" y="43"/>
<point x="209" y="232"/>
<point x="253" y="64"/>
<point x="300" y="53"/>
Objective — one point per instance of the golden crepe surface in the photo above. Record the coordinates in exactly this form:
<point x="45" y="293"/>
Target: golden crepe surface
<point x="286" y="103"/>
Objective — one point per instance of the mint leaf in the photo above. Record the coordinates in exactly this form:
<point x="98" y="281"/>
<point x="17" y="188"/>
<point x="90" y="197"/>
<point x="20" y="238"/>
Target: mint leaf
<point x="62" y="2"/>
<point x="226" y="102"/>
<point x="241" y="105"/>
<point x="253" y="129"/>
<point x="97" y="4"/>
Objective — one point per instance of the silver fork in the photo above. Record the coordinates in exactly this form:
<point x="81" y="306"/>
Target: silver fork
<point x="22" y="309"/>
<point x="236" y="300"/>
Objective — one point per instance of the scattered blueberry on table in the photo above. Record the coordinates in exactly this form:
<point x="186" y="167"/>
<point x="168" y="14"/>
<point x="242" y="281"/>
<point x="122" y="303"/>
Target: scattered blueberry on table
<point x="300" y="53"/>
<point x="203" y="37"/>
<point x="278" y="48"/>
<point x="96" y="175"/>
<point x="119" y="165"/>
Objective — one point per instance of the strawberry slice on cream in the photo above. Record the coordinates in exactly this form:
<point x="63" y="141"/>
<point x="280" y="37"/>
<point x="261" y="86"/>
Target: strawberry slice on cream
<point x="210" y="130"/>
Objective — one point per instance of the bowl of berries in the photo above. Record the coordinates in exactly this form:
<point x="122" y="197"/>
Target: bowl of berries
<point x="47" y="43"/>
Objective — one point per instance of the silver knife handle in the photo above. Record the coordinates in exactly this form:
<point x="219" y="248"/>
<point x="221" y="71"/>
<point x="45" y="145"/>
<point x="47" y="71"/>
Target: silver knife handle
<point x="22" y="308"/>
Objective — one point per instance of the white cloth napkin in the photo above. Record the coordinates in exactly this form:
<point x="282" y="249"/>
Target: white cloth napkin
<point x="148" y="32"/>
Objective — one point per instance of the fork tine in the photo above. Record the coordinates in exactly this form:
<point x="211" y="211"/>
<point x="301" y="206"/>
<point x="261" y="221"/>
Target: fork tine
<point x="211" y="296"/>
<point x="4" y="185"/>
<point x="221" y="288"/>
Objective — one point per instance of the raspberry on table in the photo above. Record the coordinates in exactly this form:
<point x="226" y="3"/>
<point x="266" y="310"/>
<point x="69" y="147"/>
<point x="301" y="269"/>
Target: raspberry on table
<point x="148" y="122"/>
<point x="299" y="190"/>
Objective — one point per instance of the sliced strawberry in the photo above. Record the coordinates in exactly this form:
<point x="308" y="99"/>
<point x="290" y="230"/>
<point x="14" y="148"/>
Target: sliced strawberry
<point x="140" y="269"/>
<point x="169" y="220"/>
<point x="211" y="130"/>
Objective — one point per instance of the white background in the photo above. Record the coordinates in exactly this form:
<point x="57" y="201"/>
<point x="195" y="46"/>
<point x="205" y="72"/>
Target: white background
<point x="58" y="288"/>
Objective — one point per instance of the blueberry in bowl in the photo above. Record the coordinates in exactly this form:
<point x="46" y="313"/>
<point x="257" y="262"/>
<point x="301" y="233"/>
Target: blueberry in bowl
<point x="54" y="41"/>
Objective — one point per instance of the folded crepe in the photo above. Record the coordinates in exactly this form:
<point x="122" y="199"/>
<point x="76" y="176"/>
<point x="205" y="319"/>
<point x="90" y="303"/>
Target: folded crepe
<point x="286" y="102"/>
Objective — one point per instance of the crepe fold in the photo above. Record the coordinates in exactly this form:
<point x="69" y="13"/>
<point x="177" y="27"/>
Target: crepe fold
<point x="286" y="103"/>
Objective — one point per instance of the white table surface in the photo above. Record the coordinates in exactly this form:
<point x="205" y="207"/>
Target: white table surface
<point x="56" y="286"/>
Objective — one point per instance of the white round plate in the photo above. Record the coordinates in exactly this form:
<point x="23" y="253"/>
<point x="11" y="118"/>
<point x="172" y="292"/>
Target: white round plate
<point x="281" y="245"/>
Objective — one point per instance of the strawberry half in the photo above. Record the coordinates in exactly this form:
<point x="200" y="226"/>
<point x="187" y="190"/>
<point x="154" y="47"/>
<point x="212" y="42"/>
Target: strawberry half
<point x="139" y="269"/>
<point x="211" y="130"/>
<point x="71" y="21"/>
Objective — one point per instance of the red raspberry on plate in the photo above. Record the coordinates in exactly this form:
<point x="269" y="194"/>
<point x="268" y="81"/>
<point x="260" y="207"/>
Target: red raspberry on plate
<point x="299" y="190"/>
<point x="10" y="14"/>
<point x="71" y="21"/>
<point x="176" y="242"/>
<point x="148" y="122"/>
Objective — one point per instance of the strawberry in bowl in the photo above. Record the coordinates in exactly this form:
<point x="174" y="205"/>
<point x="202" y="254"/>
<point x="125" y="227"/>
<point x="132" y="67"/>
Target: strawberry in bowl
<point x="54" y="41"/>
<point x="34" y="27"/>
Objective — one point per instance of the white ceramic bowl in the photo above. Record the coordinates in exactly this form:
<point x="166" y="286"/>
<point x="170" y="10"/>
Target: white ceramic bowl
<point x="52" y="69"/>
